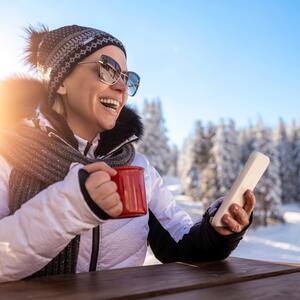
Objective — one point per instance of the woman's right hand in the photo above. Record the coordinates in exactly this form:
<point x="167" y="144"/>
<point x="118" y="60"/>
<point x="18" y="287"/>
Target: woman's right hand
<point x="102" y="189"/>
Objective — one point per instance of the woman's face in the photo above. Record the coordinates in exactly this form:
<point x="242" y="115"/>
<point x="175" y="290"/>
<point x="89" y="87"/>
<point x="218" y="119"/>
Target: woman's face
<point x="83" y="93"/>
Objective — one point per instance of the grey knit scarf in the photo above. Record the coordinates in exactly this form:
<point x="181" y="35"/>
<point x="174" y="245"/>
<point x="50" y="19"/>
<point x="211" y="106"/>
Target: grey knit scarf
<point x="38" y="161"/>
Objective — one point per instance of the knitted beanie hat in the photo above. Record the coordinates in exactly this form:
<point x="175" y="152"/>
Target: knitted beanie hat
<point x="55" y="53"/>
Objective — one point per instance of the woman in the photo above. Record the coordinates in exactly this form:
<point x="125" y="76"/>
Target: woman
<point x="57" y="200"/>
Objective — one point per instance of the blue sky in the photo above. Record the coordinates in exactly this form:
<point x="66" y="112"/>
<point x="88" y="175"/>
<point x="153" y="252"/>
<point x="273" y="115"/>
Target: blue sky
<point x="204" y="59"/>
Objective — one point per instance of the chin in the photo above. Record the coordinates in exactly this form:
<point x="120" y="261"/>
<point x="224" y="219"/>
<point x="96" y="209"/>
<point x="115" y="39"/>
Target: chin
<point x="106" y="127"/>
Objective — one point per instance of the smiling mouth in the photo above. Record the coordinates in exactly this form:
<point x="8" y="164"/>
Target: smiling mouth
<point x="111" y="104"/>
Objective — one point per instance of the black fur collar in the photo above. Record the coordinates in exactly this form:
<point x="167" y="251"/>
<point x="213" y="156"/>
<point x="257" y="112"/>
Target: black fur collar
<point x="128" y="124"/>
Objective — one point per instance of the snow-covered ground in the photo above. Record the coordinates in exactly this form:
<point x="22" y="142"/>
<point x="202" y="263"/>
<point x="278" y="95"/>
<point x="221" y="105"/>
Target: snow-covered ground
<point x="279" y="242"/>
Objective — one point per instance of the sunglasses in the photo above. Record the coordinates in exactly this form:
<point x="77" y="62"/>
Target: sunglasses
<point x="109" y="72"/>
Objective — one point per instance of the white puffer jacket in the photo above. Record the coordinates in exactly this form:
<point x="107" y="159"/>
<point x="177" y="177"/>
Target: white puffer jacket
<point x="45" y="224"/>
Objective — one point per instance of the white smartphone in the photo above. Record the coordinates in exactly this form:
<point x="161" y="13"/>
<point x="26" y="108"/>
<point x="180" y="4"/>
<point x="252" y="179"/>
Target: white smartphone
<point x="253" y="170"/>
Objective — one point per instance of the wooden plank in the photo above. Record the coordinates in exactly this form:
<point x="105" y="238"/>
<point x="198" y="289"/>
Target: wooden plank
<point x="137" y="282"/>
<point x="272" y="288"/>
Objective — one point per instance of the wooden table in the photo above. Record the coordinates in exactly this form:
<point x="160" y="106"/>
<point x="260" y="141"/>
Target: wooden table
<point x="232" y="279"/>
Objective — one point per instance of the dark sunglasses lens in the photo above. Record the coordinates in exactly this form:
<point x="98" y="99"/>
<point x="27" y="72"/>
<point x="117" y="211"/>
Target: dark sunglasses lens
<point x="109" y="70"/>
<point x="133" y="83"/>
<point x="107" y="73"/>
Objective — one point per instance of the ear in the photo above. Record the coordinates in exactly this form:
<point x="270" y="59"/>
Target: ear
<point x="62" y="90"/>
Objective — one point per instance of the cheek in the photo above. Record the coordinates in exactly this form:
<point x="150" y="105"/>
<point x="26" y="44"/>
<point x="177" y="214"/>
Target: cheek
<point x="82" y="86"/>
<point x="81" y="90"/>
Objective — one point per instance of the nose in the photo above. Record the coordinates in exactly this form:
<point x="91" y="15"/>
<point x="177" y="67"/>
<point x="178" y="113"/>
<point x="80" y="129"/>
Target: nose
<point x="120" y="85"/>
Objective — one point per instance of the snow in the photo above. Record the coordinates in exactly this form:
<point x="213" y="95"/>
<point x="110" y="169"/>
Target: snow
<point x="277" y="242"/>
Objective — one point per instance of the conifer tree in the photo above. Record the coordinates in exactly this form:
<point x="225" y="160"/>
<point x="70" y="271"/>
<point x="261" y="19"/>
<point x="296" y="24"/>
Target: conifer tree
<point x="268" y="191"/>
<point x="155" y="144"/>
<point x="288" y="174"/>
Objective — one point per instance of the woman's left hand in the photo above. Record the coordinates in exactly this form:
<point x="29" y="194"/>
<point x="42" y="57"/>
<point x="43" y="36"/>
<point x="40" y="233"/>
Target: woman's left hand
<point x="240" y="216"/>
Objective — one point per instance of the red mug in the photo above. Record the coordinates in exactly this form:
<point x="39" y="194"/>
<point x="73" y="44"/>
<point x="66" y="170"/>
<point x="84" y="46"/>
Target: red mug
<point x="131" y="188"/>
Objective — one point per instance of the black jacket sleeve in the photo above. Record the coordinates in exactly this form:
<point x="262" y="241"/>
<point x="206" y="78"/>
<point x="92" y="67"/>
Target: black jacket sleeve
<point x="202" y="243"/>
<point x="83" y="176"/>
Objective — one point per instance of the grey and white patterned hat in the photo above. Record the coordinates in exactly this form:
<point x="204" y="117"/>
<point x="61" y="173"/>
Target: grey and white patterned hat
<point x="55" y="53"/>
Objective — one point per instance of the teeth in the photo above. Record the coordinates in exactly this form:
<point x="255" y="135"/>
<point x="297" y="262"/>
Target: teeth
<point x="110" y="101"/>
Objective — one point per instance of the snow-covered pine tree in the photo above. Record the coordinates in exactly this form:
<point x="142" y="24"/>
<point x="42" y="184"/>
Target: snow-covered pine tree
<point x="268" y="191"/>
<point x="234" y="153"/>
<point x="154" y="143"/>
<point x="245" y="140"/>
<point x="294" y="133"/>
<point x="209" y="184"/>
<point x="187" y="170"/>
<point x="227" y="155"/>
<point x="220" y="156"/>
<point x="288" y="169"/>
<point x="201" y="145"/>
<point x="193" y="158"/>
<point x="172" y="171"/>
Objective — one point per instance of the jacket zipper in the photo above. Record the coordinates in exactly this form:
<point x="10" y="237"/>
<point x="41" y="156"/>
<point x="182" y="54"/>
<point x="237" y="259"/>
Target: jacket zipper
<point x="128" y="141"/>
